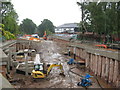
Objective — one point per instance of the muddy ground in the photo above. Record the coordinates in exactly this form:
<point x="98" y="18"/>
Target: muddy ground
<point x="52" y="52"/>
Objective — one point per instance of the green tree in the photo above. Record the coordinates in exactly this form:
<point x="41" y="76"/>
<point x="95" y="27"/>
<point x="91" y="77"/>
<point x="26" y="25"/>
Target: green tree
<point x="10" y="22"/>
<point x="99" y="16"/>
<point x="9" y="17"/>
<point x="5" y="34"/>
<point x="47" y="26"/>
<point x="27" y="26"/>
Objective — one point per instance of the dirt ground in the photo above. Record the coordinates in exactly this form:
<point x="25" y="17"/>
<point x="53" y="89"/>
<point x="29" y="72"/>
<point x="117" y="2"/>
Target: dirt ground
<point x="51" y="52"/>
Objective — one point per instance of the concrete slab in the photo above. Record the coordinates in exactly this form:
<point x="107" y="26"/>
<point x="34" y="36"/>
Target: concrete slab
<point x="4" y="83"/>
<point x="21" y="67"/>
<point x="3" y="58"/>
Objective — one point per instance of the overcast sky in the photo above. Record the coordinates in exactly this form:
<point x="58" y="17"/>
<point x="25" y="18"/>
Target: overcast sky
<point x="57" y="11"/>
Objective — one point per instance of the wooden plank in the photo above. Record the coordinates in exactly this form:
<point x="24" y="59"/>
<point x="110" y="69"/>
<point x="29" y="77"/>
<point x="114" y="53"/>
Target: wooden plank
<point x="107" y="69"/>
<point x="76" y="51"/>
<point x="111" y="68"/>
<point x="100" y="65"/>
<point x="92" y="57"/>
<point x="96" y="64"/>
<point x="118" y="80"/>
<point x="103" y="68"/>
<point x="71" y="49"/>
<point x="93" y="63"/>
<point x="84" y="54"/>
<point x="87" y="60"/>
<point x="79" y="52"/>
<point x="90" y="61"/>
<point x="115" y="72"/>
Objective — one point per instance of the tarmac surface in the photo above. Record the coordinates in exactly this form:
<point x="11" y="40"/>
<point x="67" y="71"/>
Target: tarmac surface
<point x="52" y="52"/>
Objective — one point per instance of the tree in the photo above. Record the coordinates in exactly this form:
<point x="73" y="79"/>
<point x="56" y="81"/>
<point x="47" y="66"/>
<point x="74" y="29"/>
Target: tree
<point x="28" y="26"/>
<point x="10" y="22"/>
<point x="5" y="34"/>
<point x="47" y="26"/>
<point x="99" y="17"/>
<point x="9" y="17"/>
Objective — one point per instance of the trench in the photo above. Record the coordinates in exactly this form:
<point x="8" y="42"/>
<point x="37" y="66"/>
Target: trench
<point x="51" y="52"/>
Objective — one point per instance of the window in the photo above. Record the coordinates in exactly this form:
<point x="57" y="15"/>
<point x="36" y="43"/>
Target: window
<point x="41" y="67"/>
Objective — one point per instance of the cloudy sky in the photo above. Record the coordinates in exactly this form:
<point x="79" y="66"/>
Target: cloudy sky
<point x="57" y="11"/>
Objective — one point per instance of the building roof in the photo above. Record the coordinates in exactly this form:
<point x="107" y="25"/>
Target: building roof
<point x="69" y="25"/>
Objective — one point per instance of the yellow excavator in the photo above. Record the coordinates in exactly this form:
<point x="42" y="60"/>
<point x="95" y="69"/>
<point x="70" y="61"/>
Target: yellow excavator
<point x="41" y="70"/>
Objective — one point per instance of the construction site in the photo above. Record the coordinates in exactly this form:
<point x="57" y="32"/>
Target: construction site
<point x="68" y="64"/>
<point x="81" y="50"/>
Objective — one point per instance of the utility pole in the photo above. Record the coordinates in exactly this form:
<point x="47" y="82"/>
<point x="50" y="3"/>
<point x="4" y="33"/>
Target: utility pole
<point x="82" y="16"/>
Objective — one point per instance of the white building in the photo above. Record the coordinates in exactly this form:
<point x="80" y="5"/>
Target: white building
<point x="67" y="28"/>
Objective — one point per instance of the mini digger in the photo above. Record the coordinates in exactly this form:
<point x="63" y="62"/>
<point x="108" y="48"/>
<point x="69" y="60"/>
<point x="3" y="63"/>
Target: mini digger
<point x="42" y="70"/>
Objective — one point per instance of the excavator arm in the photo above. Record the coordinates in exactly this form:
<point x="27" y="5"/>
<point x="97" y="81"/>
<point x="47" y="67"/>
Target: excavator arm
<point x="55" y="65"/>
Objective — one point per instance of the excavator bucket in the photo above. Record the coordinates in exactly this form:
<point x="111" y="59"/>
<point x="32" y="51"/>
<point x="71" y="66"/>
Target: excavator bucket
<point x="62" y="74"/>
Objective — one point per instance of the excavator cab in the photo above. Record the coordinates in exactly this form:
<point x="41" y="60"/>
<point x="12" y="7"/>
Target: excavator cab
<point x="38" y="71"/>
<point x="45" y="36"/>
<point x="38" y="67"/>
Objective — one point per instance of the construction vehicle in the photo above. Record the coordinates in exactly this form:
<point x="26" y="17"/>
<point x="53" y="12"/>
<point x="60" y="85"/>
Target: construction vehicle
<point x="85" y="81"/>
<point x="41" y="72"/>
<point x="71" y="61"/>
<point x="34" y="37"/>
<point x="45" y="36"/>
